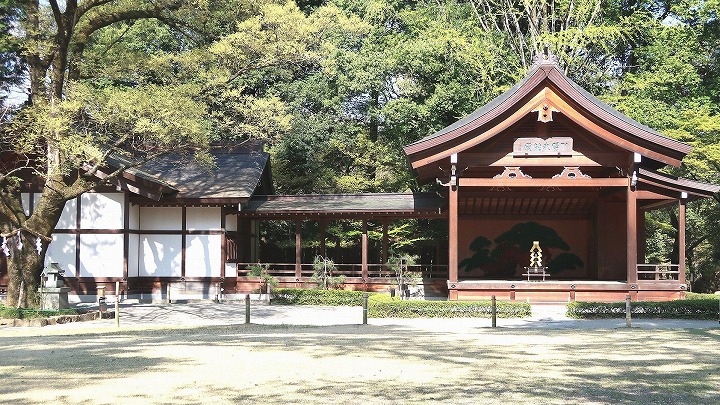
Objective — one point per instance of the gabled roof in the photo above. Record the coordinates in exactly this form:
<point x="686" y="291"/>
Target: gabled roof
<point x="235" y="176"/>
<point x="545" y="83"/>
<point x="346" y="205"/>
<point x="174" y="178"/>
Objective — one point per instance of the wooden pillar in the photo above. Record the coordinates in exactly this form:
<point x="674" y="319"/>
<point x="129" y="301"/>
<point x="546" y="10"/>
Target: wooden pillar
<point x="453" y="242"/>
<point x="183" y="243"/>
<point x="385" y="244"/>
<point x="298" y="249"/>
<point x="641" y="236"/>
<point x="323" y="237"/>
<point x="681" y="239"/>
<point x="632" y="251"/>
<point x="223" y="242"/>
<point x="364" y="250"/>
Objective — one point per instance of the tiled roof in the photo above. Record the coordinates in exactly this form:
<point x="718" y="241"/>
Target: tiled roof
<point x="235" y="175"/>
<point x="338" y="204"/>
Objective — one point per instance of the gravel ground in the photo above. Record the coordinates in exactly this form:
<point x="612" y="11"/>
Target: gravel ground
<point x="204" y="353"/>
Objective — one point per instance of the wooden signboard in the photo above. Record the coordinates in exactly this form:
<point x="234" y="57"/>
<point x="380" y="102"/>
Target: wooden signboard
<point x="557" y="146"/>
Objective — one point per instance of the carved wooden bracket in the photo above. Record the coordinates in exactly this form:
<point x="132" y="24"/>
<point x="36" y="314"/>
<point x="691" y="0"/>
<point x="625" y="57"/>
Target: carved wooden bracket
<point x="571" y="173"/>
<point x="545" y="111"/>
<point x="512" y="172"/>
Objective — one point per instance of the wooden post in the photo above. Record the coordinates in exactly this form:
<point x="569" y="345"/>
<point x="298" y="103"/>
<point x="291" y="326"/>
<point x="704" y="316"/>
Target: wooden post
<point x="494" y="312"/>
<point x="453" y="242"/>
<point x="365" y="308"/>
<point x="385" y="245"/>
<point x="323" y="237"/>
<point x="681" y="240"/>
<point x="247" y="308"/>
<point x="117" y="304"/>
<point x="632" y="251"/>
<point x="628" y="310"/>
<point x="364" y="250"/>
<point x="298" y="249"/>
<point x="641" y="236"/>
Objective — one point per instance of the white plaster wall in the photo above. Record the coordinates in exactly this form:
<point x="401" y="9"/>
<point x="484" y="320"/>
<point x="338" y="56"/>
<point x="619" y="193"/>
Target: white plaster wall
<point x="133" y="255"/>
<point x="231" y="222"/>
<point x="160" y="218"/>
<point x="62" y="251"/>
<point x="134" y="217"/>
<point x="101" y="255"/>
<point x="101" y="210"/>
<point x="230" y="269"/>
<point x="202" y="256"/>
<point x="203" y="218"/>
<point x="160" y="256"/>
<point x="25" y="201"/>
<point x="68" y="218"/>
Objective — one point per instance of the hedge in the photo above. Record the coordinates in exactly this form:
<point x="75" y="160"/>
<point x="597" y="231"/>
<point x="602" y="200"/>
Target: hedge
<point x="678" y="309"/>
<point x="296" y="296"/>
<point x="384" y="306"/>
<point x="697" y="296"/>
<point x="22" y="313"/>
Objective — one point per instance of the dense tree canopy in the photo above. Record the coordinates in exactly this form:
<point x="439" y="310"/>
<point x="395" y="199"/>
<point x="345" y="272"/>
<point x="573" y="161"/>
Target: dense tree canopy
<point x="334" y="88"/>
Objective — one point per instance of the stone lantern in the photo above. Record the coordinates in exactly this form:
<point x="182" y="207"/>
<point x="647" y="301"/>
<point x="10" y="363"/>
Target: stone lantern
<point x="53" y="290"/>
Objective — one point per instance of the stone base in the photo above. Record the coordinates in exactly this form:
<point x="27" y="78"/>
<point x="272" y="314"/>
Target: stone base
<point x="55" y="297"/>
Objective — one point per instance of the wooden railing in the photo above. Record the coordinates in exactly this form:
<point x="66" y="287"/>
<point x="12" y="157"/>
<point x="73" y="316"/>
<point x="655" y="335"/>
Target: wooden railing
<point x="428" y="271"/>
<point x="658" y="272"/>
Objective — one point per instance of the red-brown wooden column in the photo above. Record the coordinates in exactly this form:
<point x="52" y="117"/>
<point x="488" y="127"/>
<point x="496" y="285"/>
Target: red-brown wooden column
<point x="364" y="250"/>
<point x="452" y="242"/>
<point x="385" y="244"/>
<point x="298" y="249"/>
<point x="641" y="236"/>
<point x="681" y="239"/>
<point x="632" y="251"/>
<point x="323" y="244"/>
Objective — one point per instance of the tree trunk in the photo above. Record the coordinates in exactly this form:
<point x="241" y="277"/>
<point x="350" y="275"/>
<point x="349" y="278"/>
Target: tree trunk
<point x="25" y="265"/>
<point x="24" y="269"/>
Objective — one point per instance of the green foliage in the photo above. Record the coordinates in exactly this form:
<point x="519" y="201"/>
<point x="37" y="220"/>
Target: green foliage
<point x="696" y="296"/>
<point x="697" y="308"/>
<point x="295" y="296"/>
<point x="261" y="270"/>
<point x="323" y="269"/>
<point x="383" y="306"/>
<point x="21" y="313"/>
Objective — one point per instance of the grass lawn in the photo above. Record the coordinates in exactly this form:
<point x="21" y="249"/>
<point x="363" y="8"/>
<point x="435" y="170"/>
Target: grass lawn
<point x="360" y="364"/>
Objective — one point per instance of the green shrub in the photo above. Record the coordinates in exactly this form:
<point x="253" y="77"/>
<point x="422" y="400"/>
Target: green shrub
<point x="21" y="313"/>
<point x="297" y="296"/>
<point x="384" y="306"/>
<point x="696" y="296"/>
<point x="9" y="313"/>
<point x="678" y="309"/>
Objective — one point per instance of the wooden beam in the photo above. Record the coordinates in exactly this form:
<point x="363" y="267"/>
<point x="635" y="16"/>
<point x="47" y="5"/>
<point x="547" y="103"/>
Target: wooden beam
<point x="632" y="252"/>
<point x="483" y="182"/>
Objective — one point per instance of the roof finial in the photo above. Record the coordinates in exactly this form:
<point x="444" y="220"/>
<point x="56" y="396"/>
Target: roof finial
<point x="545" y="58"/>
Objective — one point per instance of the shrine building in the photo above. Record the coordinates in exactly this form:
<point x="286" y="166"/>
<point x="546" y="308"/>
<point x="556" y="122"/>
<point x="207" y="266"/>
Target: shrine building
<point x="544" y="162"/>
